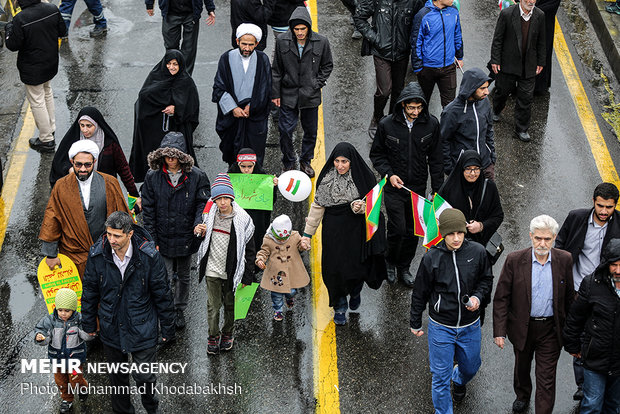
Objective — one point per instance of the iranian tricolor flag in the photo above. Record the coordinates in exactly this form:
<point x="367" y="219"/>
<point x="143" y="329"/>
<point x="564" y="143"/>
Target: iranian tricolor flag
<point x="425" y="220"/>
<point x="439" y="204"/>
<point x="373" y="208"/>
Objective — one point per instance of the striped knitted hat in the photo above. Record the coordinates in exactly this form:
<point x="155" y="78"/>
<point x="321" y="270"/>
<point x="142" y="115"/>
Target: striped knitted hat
<point x="222" y="187"/>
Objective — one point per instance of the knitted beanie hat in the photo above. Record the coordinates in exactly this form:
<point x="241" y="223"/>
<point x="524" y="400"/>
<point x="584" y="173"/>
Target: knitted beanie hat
<point x="66" y="299"/>
<point x="281" y="227"/>
<point x="222" y="187"/>
<point x="452" y="220"/>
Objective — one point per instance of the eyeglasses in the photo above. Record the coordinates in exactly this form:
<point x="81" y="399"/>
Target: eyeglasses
<point x="472" y="170"/>
<point x="79" y="165"/>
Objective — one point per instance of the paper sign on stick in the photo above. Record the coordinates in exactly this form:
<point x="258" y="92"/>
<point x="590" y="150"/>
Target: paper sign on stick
<point x="253" y="191"/>
<point x="243" y="300"/>
<point x="52" y="280"/>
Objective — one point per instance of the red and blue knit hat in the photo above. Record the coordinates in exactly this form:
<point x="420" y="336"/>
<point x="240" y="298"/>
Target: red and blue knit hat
<point x="222" y="187"/>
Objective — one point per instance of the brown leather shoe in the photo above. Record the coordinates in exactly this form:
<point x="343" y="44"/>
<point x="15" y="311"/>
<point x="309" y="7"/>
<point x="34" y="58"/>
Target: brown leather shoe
<point x="306" y="168"/>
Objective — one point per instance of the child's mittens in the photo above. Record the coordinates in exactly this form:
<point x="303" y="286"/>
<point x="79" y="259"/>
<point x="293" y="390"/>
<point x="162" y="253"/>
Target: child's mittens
<point x="260" y="264"/>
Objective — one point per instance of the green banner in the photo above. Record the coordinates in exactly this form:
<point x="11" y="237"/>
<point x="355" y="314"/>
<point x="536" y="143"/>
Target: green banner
<point x="243" y="298"/>
<point x="253" y="191"/>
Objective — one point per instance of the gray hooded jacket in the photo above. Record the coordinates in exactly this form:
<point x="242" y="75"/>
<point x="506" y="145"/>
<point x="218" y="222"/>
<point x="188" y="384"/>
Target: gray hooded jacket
<point x="468" y="125"/>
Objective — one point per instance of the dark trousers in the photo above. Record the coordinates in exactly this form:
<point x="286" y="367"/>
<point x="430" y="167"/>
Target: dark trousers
<point x="542" y="344"/>
<point x="390" y="82"/>
<point x="444" y="78"/>
<point x="181" y="281"/>
<point x="121" y="403"/>
<point x="287" y="124"/>
<point x="506" y="84"/>
<point x="401" y="240"/>
<point x="217" y="295"/>
<point x="94" y="7"/>
<point x="172" y="26"/>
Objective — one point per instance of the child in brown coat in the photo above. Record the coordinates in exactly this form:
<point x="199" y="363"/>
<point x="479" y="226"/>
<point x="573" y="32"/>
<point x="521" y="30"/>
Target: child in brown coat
<point x="284" y="271"/>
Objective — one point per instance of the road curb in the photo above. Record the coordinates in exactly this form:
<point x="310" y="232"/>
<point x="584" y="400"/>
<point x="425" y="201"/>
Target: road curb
<point x="605" y="24"/>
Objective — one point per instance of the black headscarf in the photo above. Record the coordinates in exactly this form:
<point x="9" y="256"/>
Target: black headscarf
<point x="61" y="163"/>
<point x="456" y="190"/>
<point x="161" y="89"/>
<point x="362" y="175"/>
<point x="234" y="168"/>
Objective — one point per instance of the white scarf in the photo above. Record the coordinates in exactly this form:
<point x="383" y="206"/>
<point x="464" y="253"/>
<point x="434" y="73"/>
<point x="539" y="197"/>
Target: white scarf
<point x="244" y="230"/>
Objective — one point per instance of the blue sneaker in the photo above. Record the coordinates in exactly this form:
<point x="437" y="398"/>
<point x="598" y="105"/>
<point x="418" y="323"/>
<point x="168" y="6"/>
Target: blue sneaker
<point x="340" y="318"/>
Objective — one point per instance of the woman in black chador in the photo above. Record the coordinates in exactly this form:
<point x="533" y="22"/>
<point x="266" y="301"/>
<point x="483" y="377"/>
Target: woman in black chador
<point x="168" y="101"/>
<point x="348" y="260"/>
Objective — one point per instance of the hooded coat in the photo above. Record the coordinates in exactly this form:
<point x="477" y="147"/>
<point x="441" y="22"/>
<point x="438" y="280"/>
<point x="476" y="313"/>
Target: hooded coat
<point x="238" y="133"/>
<point x="468" y="125"/>
<point x="596" y="313"/>
<point x="130" y="309"/>
<point x="410" y="154"/>
<point x="285" y="268"/>
<point x="171" y="212"/>
<point x="161" y="89"/>
<point x="348" y="259"/>
<point x="297" y="80"/>
<point x="112" y="160"/>
<point x="34" y="34"/>
<point x="390" y="28"/>
<point x="467" y="197"/>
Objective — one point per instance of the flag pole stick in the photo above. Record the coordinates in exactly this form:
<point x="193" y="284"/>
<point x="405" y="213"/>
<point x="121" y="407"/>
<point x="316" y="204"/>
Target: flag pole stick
<point x="456" y="62"/>
<point x="405" y="188"/>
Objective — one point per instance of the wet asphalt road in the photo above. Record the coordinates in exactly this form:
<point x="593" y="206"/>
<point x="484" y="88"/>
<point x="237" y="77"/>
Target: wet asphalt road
<point x="381" y="366"/>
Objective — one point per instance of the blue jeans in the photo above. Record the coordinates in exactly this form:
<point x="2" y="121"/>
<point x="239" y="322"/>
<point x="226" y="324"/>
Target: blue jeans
<point x="94" y="7"/>
<point x="443" y="344"/>
<point x="277" y="299"/>
<point x="601" y="393"/>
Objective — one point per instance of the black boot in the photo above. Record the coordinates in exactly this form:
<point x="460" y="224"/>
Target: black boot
<point x="391" y="273"/>
<point x="406" y="277"/>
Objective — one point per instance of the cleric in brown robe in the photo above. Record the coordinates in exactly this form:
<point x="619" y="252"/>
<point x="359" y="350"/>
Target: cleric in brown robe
<point x="78" y="207"/>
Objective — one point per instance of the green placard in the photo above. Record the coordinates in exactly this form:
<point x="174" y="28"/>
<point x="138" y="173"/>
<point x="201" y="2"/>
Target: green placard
<point x="253" y="191"/>
<point x="243" y="299"/>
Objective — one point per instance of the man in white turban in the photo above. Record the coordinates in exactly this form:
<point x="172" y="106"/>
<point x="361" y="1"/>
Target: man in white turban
<point x="242" y="92"/>
<point x="78" y="207"/>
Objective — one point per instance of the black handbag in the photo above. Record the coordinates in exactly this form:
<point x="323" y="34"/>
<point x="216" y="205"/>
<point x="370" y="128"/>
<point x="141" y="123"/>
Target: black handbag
<point x="494" y="246"/>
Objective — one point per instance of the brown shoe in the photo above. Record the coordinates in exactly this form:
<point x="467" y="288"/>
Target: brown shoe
<point x="306" y="168"/>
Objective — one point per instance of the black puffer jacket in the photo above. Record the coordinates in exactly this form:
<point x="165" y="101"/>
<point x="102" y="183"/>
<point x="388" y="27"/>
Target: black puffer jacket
<point x="439" y="284"/>
<point x="468" y="125"/>
<point x="34" y="33"/>
<point x="410" y="154"/>
<point x="297" y="81"/>
<point x="597" y="312"/>
<point x="130" y="308"/>
<point x="171" y="213"/>
<point x="390" y="29"/>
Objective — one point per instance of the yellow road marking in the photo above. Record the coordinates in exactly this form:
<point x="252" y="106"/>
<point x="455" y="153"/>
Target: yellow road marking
<point x="18" y="157"/>
<point x="324" y="334"/>
<point x="602" y="158"/>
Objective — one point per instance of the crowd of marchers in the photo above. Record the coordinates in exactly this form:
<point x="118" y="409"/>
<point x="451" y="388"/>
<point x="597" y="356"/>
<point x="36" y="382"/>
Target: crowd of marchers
<point x="136" y="279"/>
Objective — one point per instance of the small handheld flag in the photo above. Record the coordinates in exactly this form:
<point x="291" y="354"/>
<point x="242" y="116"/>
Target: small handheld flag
<point x="373" y="208"/>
